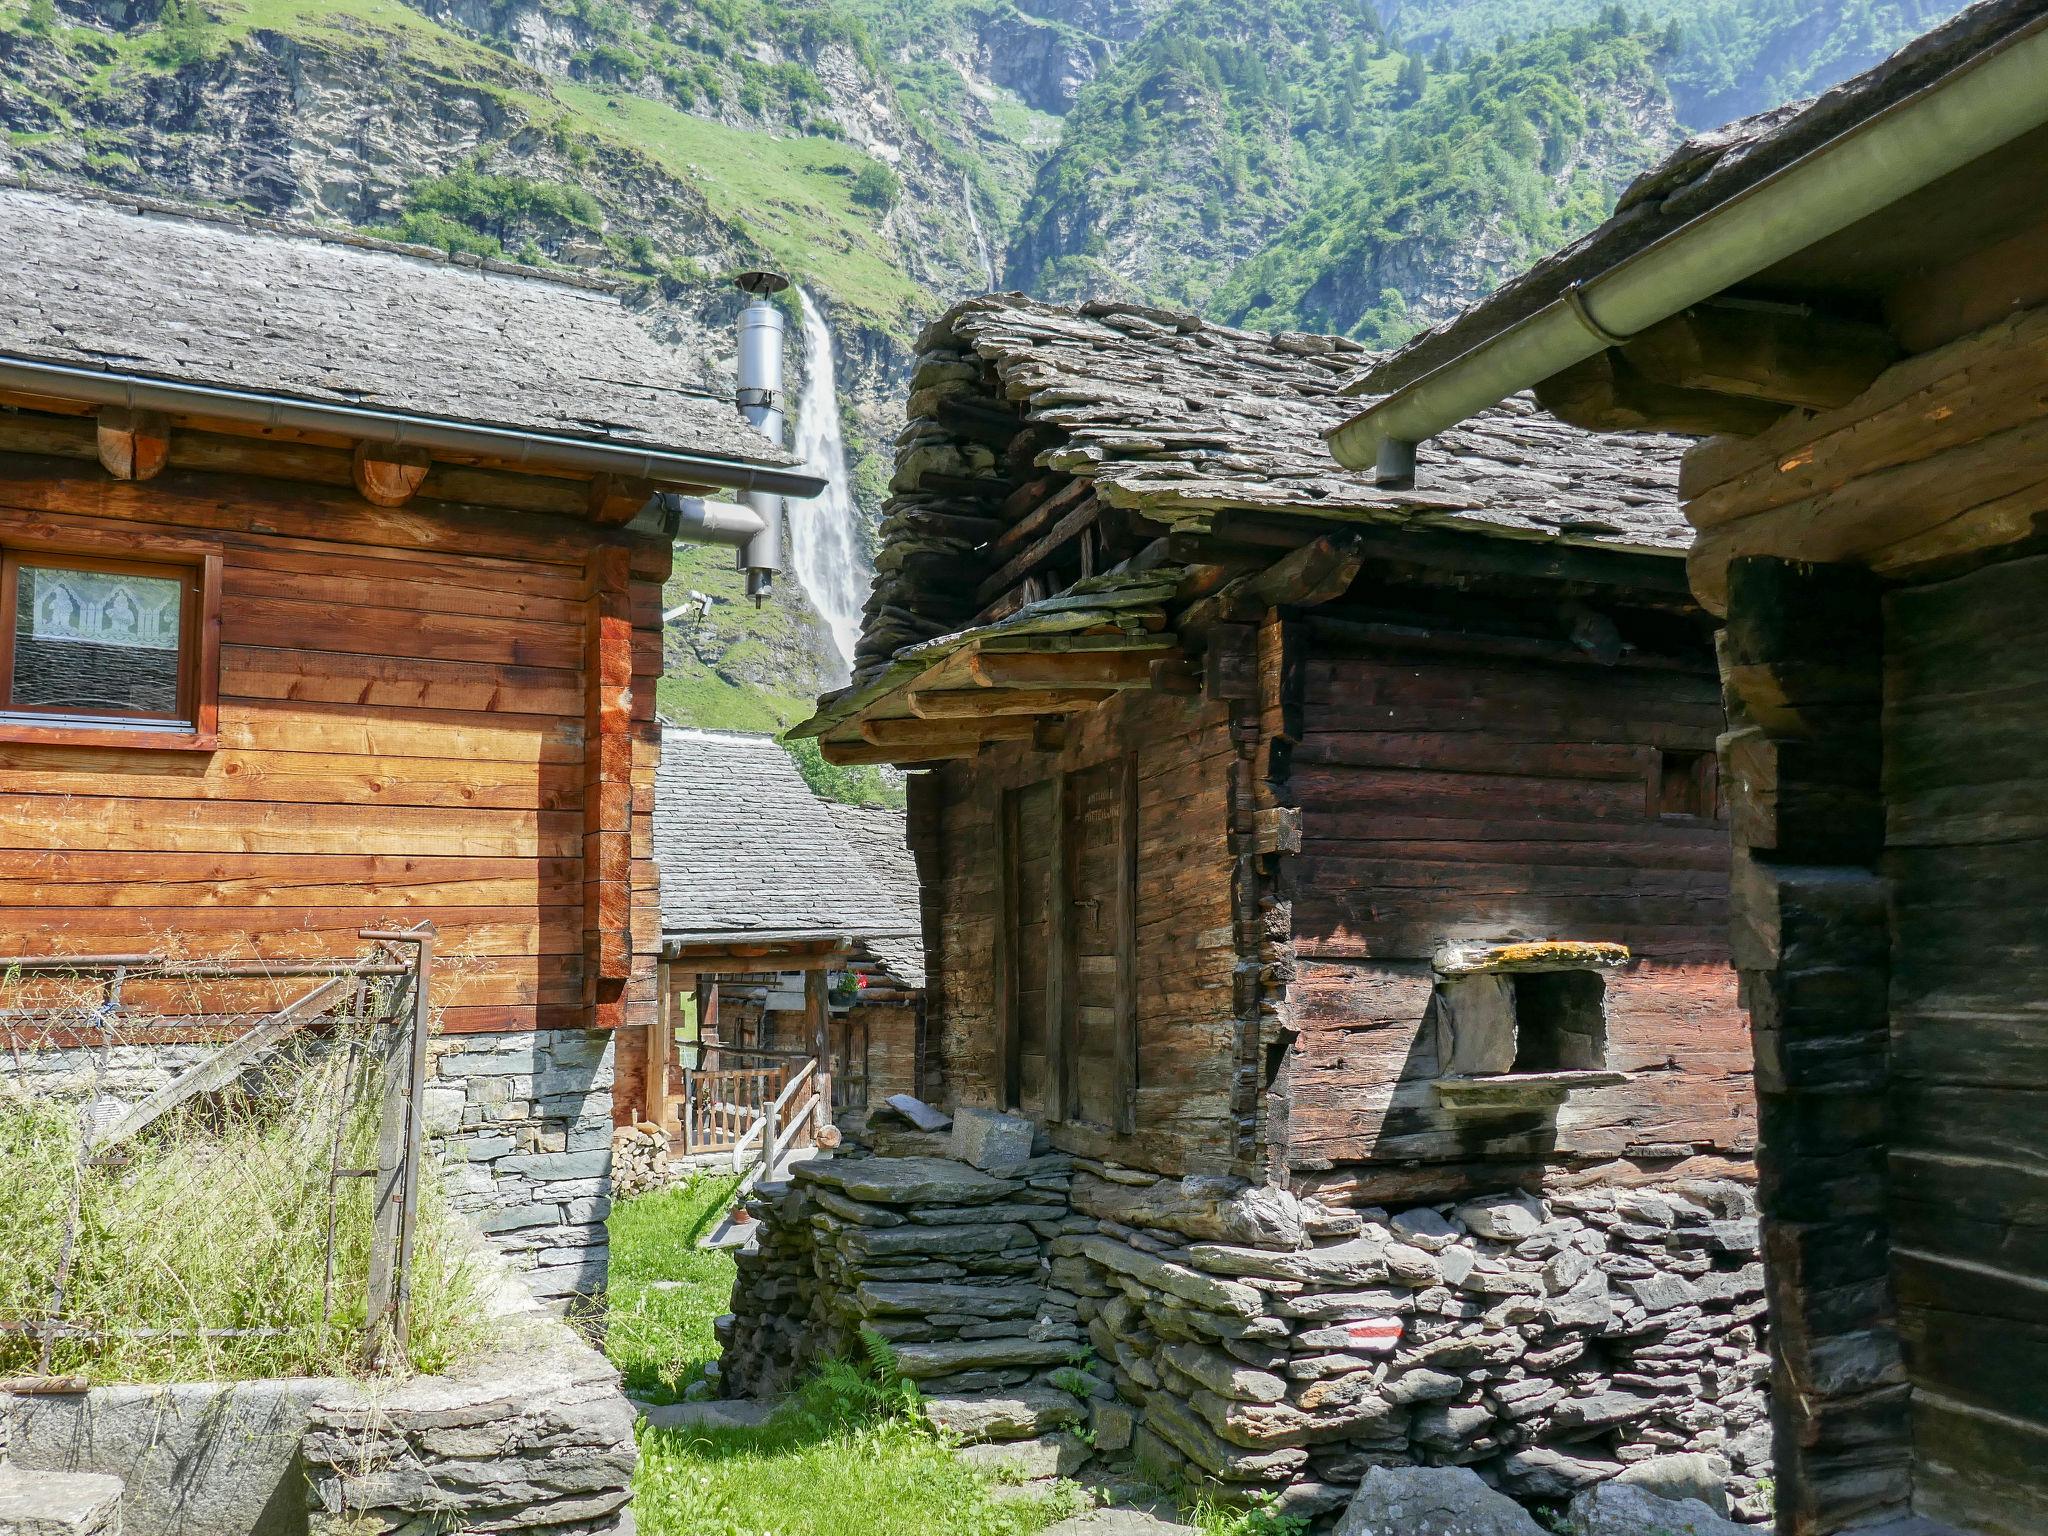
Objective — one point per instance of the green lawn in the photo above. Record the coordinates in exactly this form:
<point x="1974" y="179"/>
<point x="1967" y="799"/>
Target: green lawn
<point x="836" y="1462"/>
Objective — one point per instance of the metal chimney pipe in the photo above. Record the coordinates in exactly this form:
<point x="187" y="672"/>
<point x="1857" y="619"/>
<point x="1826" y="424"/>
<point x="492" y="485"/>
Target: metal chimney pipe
<point x="760" y="401"/>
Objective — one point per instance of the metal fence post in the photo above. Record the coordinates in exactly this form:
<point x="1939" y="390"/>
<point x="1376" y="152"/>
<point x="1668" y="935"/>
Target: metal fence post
<point x="399" y="1145"/>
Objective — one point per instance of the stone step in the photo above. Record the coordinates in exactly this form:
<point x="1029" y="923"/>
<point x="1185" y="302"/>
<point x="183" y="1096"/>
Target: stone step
<point x="1020" y="1413"/>
<point x="1055" y="1455"/>
<point x="58" y="1503"/>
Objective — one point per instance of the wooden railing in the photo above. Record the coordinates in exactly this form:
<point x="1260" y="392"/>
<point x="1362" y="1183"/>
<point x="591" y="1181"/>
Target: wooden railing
<point x="780" y="1128"/>
<point x="720" y="1109"/>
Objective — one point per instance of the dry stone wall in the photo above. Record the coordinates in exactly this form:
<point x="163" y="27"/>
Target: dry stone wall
<point x="1238" y="1336"/>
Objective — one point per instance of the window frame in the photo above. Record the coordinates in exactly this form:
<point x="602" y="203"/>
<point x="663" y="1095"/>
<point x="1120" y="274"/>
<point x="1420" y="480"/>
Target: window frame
<point x="194" y="726"/>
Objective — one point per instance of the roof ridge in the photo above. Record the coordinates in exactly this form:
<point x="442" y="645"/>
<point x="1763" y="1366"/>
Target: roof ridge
<point x="142" y="204"/>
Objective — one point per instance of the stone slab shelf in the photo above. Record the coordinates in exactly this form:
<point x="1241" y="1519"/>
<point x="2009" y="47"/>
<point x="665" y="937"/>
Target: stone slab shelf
<point x="1518" y="1091"/>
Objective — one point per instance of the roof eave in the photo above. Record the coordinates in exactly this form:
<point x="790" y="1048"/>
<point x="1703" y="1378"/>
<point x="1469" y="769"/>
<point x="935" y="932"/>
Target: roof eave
<point x="516" y="447"/>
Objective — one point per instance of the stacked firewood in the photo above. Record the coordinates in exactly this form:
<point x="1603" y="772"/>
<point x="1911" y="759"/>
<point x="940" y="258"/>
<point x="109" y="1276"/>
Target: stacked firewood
<point x="639" y="1159"/>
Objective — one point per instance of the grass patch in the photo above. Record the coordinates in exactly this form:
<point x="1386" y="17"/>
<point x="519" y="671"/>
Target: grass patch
<point x="202" y="1253"/>
<point x="659" y="1330"/>
<point x="836" y="1462"/>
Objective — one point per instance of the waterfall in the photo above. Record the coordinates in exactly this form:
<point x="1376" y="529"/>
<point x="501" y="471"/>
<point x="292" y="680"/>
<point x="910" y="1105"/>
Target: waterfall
<point x="824" y="532"/>
<point x="988" y="262"/>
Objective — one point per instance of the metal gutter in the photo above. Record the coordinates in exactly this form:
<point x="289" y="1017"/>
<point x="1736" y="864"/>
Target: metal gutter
<point x="1982" y="104"/>
<point x="553" y="450"/>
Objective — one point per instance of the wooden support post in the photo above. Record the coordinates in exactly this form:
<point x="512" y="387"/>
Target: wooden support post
<point x="1126" y="984"/>
<point x="1062" y="1017"/>
<point x="1009" y="1044"/>
<point x="607" y="784"/>
<point x="818" y="1011"/>
<point x="400" y="1148"/>
<point x="660" y="1046"/>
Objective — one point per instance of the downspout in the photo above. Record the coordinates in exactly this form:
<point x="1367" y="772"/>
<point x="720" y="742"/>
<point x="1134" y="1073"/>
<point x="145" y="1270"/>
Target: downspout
<point x="1987" y="102"/>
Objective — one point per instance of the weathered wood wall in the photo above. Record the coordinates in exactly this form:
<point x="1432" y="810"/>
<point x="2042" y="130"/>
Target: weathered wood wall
<point x="1966" y="856"/>
<point x="403" y="705"/>
<point x="1183" y="952"/>
<point x="1450" y="797"/>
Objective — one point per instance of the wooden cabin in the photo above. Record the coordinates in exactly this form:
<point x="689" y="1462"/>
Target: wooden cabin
<point x="1361" y="847"/>
<point x="1368" y="842"/>
<point x="1868" y="349"/>
<point x="771" y="898"/>
<point x="332" y="599"/>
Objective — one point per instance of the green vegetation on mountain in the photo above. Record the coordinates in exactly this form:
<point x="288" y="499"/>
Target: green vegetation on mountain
<point x="1487" y="165"/>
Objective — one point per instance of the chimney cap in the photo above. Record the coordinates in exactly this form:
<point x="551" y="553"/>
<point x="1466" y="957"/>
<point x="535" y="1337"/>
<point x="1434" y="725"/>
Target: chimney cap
<point x="761" y="283"/>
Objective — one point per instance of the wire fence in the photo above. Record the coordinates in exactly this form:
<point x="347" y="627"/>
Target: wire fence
<point x="209" y="1168"/>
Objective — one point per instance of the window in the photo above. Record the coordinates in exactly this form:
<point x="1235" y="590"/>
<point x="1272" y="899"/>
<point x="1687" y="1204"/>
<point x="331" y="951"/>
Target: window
<point x="1540" y="1021"/>
<point x="1687" y="786"/>
<point x="89" y="644"/>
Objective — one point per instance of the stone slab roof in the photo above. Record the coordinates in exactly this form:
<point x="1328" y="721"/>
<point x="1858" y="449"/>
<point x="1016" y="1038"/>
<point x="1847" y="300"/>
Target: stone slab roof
<point x="877" y="832"/>
<point x="1703" y="173"/>
<point x="1181" y="420"/>
<point x="195" y="297"/>
<point x="746" y="849"/>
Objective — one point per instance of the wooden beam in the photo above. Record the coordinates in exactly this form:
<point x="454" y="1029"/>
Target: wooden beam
<point x="1067" y="669"/>
<point x="133" y="445"/>
<point x="979" y="703"/>
<point x="1318" y="572"/>
<point x="1605" y="394"/>
<point x="616" y="499"/>
<point x="912" y="732"/>
<point x="1030" y="507"/>
<point x="1022" y="564"/>
<point x="856" y="754"/>
<point x="387" y="475"/>
<point x="1784" y="353"/>
<point x="227" y="1063"/>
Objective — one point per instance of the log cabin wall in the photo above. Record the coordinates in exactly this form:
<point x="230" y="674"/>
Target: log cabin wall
<point x="439" y="711"/>
<point x="1182" y="959"/>
<point x="1885" y="778"/>
<point x="1465" y="786"/>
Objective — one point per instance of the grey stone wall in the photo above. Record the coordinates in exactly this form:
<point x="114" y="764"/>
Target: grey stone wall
<point x="524" y="1122"/>
<point x="1242" y="1338"/>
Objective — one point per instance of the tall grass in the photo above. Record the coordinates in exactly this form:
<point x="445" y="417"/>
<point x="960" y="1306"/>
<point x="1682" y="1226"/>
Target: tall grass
<point x="202" y="1246"/>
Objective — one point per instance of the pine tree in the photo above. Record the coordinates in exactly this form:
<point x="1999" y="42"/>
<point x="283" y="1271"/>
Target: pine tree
<point x="1413" y="78"/>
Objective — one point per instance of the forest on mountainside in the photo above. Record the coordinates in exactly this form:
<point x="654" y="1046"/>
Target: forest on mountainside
<point x="1364" y="166"/>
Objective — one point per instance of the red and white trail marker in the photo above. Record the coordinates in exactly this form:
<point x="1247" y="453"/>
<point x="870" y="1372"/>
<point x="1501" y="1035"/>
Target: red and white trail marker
<point x="1378" y="1334"/>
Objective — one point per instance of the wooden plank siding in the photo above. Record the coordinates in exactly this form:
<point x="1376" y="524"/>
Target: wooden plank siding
<point x="1447" y="798"/>
<point x="402" y="735"/>
<point x="1966" y="801"/>
<point x="1181" y="960"/>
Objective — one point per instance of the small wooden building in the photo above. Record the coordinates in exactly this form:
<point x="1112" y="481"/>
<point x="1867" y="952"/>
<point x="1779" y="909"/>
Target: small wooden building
<point x="332" y="598"/>
<point x="1853" y="300"/>
<point x="1362" y="844"/>
<point x="769" y="895"/>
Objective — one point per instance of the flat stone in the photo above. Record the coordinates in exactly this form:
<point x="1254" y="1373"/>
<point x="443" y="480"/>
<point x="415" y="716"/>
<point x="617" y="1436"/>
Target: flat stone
<point x="58" y="1503"/>
<point x="905" y="1180"/>
<point x="922" y="1300"/>
<point x="1210" y="1207"/>
<point x="1055" y="1455"/>
<point x="1538" y="1472"/>
<point x="1021" y="1413"/>
<point x="1345" y="1306"/>
<point x="937" y="1242"/>
<point x="1595" y="1410"/>
<point x="1224" y="1374"/>
<point x="716" y="1413"/>
<point x="945" y="1357"/>
<point x="992" y="1141"/>
<point x="1225" y="1296"/>
<point x="1698" y="1475"/>
<point x="1424" y="1228"/>
<point x="1432" y="1501"/>
<point x="918" y="1113"/>
<point x="1503" y="1218"/>
<point x="1112" y="1423"/>
<point x="1119" y="1522"/>
<point x="1622" y="1509"/>
<point x="1359" y="1261"/>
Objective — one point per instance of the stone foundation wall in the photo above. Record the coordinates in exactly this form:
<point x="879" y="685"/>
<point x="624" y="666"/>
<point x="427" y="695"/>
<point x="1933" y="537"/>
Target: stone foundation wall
<point x="1243" y="1338"/>
<point x="524" y="1123"/>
